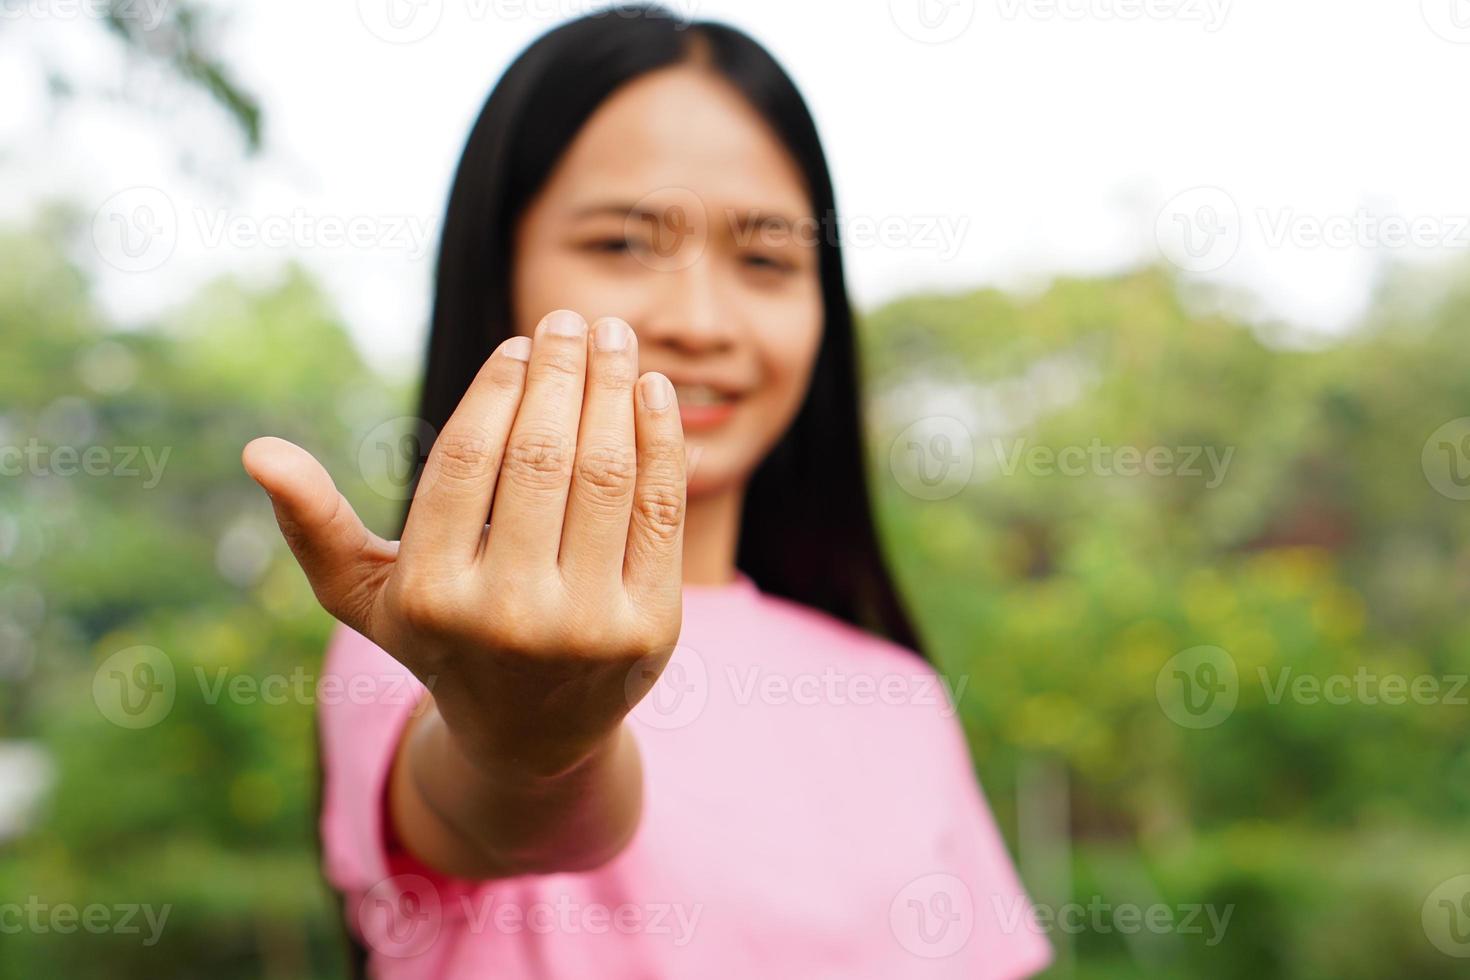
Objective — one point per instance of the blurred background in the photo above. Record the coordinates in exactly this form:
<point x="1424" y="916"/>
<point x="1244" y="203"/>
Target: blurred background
<point x="1164" y="312"/>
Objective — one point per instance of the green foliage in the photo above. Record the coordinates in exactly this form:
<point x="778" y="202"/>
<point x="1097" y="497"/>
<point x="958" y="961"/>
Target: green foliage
<point x="211" y="810"/>
<point x="1323" y="549"/>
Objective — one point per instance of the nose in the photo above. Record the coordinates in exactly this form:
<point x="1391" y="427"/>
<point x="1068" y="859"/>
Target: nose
<point x="686" y="313"/>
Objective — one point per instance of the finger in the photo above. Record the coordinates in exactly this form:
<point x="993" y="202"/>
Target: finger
<point x="345" y="563"/>
<point x="601" y="495"/>
<point x="452" y="500"/>
<point x="531" y="497"/>
<point x="656" y="530"/>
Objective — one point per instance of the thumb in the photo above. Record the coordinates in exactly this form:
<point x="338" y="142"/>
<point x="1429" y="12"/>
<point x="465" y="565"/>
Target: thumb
<point x="345" y="563"/>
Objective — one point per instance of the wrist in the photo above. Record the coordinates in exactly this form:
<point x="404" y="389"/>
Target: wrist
<point x="521" y="816"/>
<point x="520" y="763"/>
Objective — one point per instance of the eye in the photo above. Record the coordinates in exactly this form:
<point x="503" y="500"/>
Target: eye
<point x="611" y="246"/>
<point x="766" y="263"/>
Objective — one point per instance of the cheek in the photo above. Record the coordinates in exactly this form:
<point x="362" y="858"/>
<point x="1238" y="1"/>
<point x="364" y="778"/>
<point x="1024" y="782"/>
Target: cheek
<point x="531" y="299"/>
<point x="788" y="349"/>
<point x="556" y="279"/>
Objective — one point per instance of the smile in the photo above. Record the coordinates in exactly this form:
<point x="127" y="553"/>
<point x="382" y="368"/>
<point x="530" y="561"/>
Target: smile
<point x="703" y="407"/>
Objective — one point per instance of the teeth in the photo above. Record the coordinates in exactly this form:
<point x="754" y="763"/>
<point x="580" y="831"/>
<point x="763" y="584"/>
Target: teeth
<point x="698" y="395"/>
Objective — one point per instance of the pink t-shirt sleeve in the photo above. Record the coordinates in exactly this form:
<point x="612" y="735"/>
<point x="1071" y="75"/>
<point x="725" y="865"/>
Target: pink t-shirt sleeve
<point x="968" y="906"/>
<point x="365" y="701"/>
<point x="1004" y="921"/>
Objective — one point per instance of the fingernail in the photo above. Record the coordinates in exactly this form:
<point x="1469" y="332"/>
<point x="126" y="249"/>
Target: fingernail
<point x="657" y="392"/>
<point x="611" y="335"/>
<point x="565" y="323"/>
<point x="516" y="347"/>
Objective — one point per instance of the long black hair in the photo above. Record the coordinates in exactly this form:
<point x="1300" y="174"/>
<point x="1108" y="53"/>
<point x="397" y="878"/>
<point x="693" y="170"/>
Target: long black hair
<point x="807" y="530"/>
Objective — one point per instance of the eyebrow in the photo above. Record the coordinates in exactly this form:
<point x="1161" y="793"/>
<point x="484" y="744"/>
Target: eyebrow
<point x="741" y="221"/>
<point x="615" y="209"/>
<point x="758" y="219"/>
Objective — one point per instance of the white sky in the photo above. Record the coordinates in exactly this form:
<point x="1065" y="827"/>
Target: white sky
<point x="1045" y="136"/>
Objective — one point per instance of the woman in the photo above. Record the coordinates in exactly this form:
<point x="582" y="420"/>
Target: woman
<point x="668" y="498"/>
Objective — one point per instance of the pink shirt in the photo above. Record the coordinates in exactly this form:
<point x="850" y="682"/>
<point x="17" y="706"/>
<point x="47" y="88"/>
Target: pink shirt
<point x="810" y="811"/>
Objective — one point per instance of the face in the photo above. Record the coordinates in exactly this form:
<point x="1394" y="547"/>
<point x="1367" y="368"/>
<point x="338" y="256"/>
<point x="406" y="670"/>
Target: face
<point x="677" y="209"/>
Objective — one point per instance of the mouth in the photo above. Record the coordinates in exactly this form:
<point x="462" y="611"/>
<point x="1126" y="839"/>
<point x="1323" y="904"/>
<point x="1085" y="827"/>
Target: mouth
<point x="702" y="406"/>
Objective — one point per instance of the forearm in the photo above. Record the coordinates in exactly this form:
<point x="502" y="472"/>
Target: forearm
<point x="491" y="818"/>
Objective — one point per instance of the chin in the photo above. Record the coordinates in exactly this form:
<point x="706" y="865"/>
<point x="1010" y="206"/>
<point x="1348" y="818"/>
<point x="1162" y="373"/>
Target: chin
<point x="702" y="486"/>
<point x="709" y="476"/>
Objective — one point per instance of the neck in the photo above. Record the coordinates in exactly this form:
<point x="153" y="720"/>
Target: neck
<point x="712" y="535"/>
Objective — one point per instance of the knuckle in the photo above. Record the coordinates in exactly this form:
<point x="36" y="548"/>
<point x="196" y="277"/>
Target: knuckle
<point x="561" y="365"/>
<point x="581" y="645"/>
<point x="665" y="449"/>
<point x="537" y="460"/>
<point x="465" y="454"/>
<point x="615" y="377"/>
<point x="422" y="608"/>
<point x="656" y="639"/>
<point x="501" y="374"/>
<point x="660" y="510"/>
<point x="607" y="470"/>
